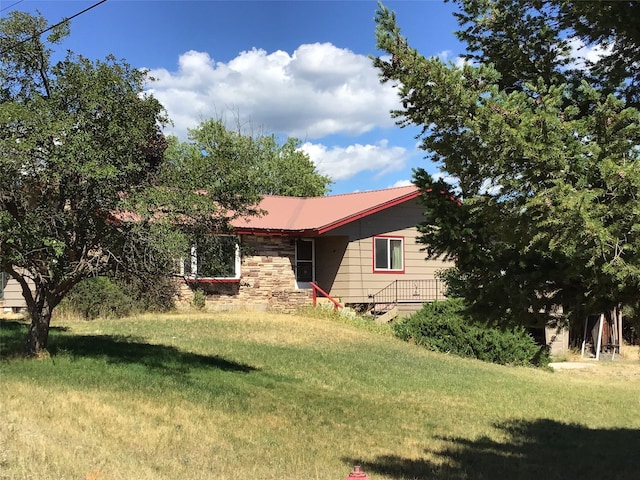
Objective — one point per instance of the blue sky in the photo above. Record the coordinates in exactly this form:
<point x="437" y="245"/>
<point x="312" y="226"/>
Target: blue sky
<point x="292" y="68"/>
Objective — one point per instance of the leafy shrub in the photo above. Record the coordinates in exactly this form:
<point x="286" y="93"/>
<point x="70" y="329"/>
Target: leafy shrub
<point x="156" y="294"/>
<point x="443" y="327"/>
<point x="98" y="297"/>
<point x="199" y="299"/>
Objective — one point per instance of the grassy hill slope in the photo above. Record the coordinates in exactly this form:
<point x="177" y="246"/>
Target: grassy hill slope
<point x="260" y="396"/>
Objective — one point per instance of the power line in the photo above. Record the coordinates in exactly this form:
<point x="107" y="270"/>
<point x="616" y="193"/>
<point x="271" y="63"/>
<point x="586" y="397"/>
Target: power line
<point x="12" y="5"/>
<point x="51" y="27"/>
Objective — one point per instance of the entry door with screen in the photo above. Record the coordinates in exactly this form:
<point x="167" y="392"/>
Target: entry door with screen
<point x="304" y="263"/>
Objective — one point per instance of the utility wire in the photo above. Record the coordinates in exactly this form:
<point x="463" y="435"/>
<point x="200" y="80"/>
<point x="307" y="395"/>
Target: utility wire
<point x="12" y="5"/>
<point x="51" y="27"/>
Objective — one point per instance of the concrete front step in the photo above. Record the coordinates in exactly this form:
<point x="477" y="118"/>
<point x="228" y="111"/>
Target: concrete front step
<point x="388" y="316"/>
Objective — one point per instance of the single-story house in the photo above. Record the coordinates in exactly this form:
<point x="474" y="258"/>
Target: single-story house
<point x="358" y="248"/>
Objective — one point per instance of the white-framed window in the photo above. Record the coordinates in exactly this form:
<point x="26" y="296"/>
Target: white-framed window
<point x="388" y="254"/>
<point x="305" y="262"/>
<point x="214" y="257"/>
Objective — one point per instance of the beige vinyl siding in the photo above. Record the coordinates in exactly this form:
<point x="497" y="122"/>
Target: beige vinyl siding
<point x="13" y="295"/>
<point x="328" y="254"/>
<point x="355" y="280"/>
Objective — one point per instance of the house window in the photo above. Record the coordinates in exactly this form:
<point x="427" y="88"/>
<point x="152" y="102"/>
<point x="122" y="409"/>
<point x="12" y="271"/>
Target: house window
<point x="388" y="254"/>
<point x="215" y="257"/>
<point x="304" y="263"/>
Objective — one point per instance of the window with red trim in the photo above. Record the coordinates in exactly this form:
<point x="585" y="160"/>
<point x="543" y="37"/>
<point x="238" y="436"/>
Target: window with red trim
<point x="388" y="254"/>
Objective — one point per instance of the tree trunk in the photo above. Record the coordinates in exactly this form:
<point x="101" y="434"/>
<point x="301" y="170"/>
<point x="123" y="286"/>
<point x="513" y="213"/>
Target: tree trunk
<point x="38" y="335"/>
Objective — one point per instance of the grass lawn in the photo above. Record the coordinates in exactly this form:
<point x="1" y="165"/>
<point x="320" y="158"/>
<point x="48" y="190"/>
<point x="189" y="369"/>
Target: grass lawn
<point x="265" y="396"/>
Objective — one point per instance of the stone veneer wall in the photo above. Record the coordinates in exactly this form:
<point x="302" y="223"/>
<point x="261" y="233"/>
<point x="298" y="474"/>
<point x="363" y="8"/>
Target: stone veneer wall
<point x="267" y="280"/>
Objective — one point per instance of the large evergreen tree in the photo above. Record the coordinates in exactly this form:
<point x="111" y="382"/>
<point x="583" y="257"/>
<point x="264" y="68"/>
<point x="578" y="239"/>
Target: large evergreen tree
<point x="544" y="157"/>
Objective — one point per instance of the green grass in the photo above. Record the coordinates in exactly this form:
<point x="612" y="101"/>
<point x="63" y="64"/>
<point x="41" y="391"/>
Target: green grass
<point x="254" y="395"/>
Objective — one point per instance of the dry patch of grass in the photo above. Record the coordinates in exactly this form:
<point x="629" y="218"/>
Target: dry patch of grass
<point x="75" y="433"/>
<point x="622" y="367"/>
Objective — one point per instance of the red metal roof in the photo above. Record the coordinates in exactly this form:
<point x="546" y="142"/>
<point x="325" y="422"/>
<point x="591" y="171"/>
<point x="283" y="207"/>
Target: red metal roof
<point x="317" y="215"/>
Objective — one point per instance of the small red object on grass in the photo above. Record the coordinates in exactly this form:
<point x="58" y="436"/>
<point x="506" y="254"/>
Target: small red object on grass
<point x="357" y="473"/>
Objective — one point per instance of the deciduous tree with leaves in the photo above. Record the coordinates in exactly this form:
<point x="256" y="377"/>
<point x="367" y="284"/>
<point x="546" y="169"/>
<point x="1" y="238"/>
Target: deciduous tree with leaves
<point x="542" y="157"/>
<point x="85" y="188"/>
<point x="248" y="161"/>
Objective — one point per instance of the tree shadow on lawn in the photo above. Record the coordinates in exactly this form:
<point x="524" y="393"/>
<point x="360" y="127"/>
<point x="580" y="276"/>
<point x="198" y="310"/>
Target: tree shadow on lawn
<point x="117" y="350"/>
<point x="542" y="449"/>
<point x="131" y="350"/>
<point x="13" y="334"/>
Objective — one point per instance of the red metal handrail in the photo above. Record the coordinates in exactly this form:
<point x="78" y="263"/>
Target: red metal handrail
<point x="317" y="289"/>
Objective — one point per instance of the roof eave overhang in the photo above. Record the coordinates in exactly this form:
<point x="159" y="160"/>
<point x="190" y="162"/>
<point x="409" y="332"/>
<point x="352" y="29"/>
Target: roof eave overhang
<point x="277" y="232"/>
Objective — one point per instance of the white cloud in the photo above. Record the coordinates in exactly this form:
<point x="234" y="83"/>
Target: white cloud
<point x="342" y="163"/>
<point x="583" y="53"/>
<point x="401" y="183"/>
<point x="317" y="90"/>
<point x="460" y="62"/>
<point x="444" y="55"/>
<point x="441" y="175"/>
<point x="490" y="187"/>
<point x="453" y="181"/>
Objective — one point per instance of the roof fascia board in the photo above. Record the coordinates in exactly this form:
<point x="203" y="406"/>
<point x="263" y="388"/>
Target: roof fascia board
<point x="276" y="233"/>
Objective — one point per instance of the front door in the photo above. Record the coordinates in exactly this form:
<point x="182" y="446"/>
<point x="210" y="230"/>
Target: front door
<point x="305" y="263"/>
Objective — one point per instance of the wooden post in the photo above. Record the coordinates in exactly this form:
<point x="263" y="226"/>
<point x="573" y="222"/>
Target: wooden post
<point x="584" y="337"/>
<point x="599" y="342"/>
<point x="620" y="337"/>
